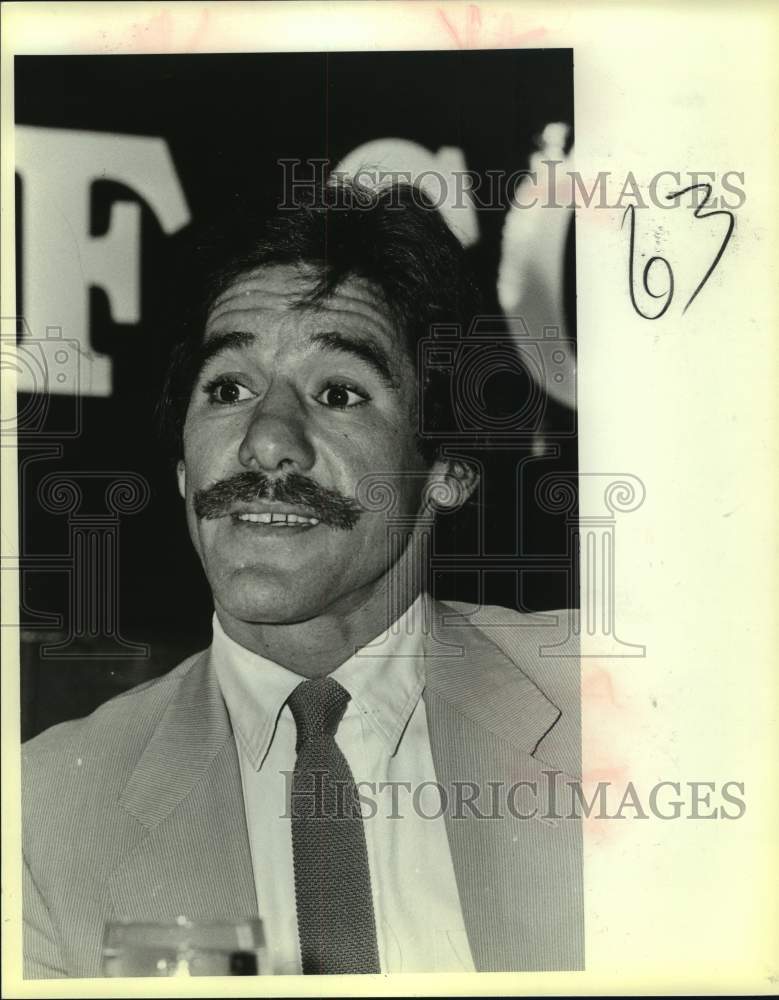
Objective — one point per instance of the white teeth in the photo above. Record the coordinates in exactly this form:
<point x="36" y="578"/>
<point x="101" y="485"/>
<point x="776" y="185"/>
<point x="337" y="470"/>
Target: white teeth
<point x="277" y="520"/>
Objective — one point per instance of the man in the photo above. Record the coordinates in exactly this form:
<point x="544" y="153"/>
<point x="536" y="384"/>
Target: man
<point x="326" y="763"/>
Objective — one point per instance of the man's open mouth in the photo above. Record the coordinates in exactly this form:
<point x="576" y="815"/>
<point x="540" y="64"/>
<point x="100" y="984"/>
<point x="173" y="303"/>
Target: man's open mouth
<point x="276" y="519"/>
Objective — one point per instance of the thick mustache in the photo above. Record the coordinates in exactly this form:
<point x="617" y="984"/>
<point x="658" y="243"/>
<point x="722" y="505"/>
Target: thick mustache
<point x="328" y="506"/>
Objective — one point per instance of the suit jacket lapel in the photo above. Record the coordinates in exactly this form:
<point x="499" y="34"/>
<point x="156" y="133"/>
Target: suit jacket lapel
<point x="519" y="880"/>
<point x="192" y="857"/>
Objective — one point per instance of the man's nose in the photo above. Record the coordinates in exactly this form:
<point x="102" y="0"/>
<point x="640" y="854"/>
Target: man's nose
<point x="276" y="437"/>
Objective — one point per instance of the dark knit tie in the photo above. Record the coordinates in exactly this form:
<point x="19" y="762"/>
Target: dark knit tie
<point x="332" y="880"/>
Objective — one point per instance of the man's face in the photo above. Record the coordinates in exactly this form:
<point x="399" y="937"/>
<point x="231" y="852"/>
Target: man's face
<point x="315" y="400"/>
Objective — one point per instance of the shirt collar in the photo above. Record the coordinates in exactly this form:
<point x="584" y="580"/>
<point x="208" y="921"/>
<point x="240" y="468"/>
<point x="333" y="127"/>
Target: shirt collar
<point x="254" y="689"/>
<point x="385" y="680"/>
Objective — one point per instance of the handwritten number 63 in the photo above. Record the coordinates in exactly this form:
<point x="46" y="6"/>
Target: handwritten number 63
<point x="668" y="294"/>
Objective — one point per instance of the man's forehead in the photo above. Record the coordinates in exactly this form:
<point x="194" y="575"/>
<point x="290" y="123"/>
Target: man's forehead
<point x="286" y="289"/>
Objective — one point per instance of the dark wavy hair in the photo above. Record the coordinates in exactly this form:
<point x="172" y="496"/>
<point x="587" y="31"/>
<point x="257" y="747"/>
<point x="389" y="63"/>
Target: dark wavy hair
<point x="393" y="237"/>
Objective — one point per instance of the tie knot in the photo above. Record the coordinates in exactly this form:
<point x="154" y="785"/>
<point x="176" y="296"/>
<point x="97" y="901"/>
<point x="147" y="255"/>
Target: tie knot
<point x="317" y="706"/>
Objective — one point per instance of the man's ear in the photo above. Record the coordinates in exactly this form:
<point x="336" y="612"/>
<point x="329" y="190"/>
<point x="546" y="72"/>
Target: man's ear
<point x="451" y="483"/>
<point x="181" y="476"/>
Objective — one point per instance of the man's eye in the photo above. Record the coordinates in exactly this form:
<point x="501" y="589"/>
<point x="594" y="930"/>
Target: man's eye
<point x="226" y="391"/>
<point x="341" y="397"/>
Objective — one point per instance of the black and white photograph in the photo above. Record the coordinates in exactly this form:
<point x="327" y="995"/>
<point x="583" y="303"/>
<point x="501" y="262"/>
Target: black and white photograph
<point x="331" y="401"/>
<point x="354" y="587"/>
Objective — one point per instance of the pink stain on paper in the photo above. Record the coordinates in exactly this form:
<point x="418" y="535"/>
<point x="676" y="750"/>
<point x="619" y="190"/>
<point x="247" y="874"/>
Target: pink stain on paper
<point x="157" y="32"/>
<point x="597" y="684"/>
<point x="469" y="30"/>
<point x="163" y="32"/>
<point x="606" y="737"/>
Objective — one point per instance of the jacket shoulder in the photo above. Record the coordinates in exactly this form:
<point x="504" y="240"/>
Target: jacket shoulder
<point x="554" y="625"/>
<point x="109" y="741"/>
<point x="543" y="645"/>
<point x="524" y="636"/>
<point x="146" y="700"/>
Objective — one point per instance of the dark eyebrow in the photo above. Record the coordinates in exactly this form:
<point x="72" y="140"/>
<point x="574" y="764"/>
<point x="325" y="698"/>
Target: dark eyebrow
<point x="221" y="342"/>
<point x="366" y="350"/>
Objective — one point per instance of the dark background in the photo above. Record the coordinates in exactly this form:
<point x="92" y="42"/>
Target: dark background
<point x="227" y="120"/>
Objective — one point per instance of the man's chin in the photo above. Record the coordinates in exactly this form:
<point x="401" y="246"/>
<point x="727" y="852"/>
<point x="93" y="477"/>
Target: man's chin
<point x="252" y="598"/>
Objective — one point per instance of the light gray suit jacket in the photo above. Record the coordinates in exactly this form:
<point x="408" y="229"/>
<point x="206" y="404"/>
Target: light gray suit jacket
<point x="136" y="812"/>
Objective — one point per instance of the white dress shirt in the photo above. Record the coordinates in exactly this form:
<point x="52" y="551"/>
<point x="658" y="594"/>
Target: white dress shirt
<point x="384" y="737"/>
